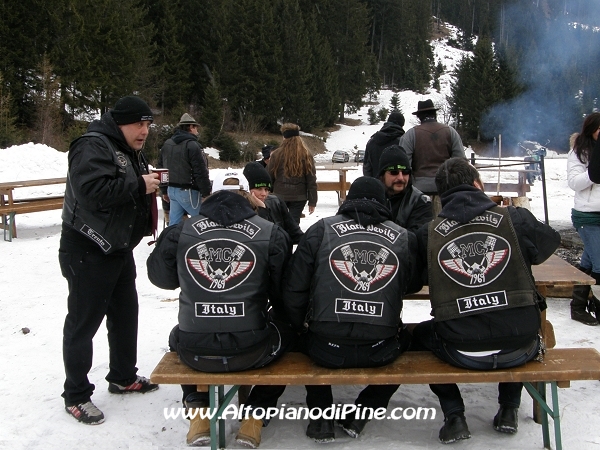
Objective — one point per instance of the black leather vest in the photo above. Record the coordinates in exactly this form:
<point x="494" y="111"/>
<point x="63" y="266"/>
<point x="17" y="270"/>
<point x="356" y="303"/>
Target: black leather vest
<point x="110" y="228"/>
<point x="357" y="273"/>
<point x="477" y="267"/>
<point x="175" y="159"/>
<point x="223" y="273"/>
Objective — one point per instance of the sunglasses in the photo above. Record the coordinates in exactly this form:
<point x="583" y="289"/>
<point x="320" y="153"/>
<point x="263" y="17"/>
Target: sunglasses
<point x="396" y="172"/>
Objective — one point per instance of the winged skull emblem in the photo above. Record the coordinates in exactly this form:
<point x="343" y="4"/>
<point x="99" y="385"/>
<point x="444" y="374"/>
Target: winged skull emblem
<point x="363" y="278"/>
<point x="476" y="271"/>
<point x="220" y="276"/>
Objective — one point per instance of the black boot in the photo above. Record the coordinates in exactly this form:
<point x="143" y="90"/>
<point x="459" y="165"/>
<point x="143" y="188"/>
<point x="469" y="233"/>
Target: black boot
<point x="353" y="427"/>
<point x="455" y="428"/>
<point x="321" y="430"/>
<point x="506" y="420"/>
<point x="594" y="305"/>
<point x="579" y="305"/>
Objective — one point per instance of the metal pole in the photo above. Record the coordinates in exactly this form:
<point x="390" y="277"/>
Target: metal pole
<point x="543" y="170"/>
<point x="499" y="161"/>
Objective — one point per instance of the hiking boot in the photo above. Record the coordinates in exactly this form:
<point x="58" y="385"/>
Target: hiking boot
<point x="321" y="431"/>
<point x="141" y="385"/>
<point x="506" y="420"/>
<point x="86" y="413"/>
<point x="579" y="306"/>
<point x="199" y="433"/>
<point x="249" y="433"/>
<point x="594" y="305"/>
<point x="455" y="428"/>
<point x="353" y="427"/>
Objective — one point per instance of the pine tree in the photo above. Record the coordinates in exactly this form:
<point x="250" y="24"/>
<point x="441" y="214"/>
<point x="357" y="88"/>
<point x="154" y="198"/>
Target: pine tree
<point x="345" y="24"/>
<point x="172" y="68"/>
<point x="212" y="114"/>
<point x="105" y="52"/>
<point x="297" y="105"/>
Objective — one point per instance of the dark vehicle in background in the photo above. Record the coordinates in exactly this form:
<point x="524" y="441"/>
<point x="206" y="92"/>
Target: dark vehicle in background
<point x="340" y="156"/>
<point x="359" y="156"/>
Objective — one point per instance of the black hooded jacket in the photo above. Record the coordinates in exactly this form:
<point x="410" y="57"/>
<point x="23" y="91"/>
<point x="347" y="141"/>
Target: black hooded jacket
<point x="502" y="329"/>
<point x="298" y="287"/>
<point x="105" y="192"/>
<point x="225" y="208"/>
<point x="389" y="134"/>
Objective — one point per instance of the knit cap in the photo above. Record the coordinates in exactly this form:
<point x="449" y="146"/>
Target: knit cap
<point x="257" y="175"/>
<point x="367" y="188"/>
<point x="393" y="158"/>
<point x="131" y="109"/>
<point x="396" y="117"/>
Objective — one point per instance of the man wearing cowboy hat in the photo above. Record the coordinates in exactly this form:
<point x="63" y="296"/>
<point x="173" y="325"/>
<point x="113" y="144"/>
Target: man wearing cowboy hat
<point x="427" y="146"/>
<point x="182" y="154"/>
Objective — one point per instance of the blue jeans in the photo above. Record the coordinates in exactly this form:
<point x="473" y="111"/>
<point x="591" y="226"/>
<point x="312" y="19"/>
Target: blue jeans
<point x="183" y="201"/>
<point x="509" y="394"/>
<point x="590" y="258"/>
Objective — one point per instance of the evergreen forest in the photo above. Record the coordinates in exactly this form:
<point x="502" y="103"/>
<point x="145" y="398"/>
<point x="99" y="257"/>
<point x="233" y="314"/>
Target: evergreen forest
<point x="249" y="65"/>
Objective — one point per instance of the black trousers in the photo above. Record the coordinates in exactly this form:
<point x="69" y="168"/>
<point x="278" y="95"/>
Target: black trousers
<point x="282" y="339"/>
<point x="99" y="285"/>
<point x="296" y="209"/>
<point x="509" y="394"/>
<point x="343" y="355"/>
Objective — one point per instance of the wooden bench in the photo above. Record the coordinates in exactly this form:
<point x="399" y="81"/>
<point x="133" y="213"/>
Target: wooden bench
<point x="9" y="206"/>
<point x="23" y="206"/>
<point x="560" y="367"/>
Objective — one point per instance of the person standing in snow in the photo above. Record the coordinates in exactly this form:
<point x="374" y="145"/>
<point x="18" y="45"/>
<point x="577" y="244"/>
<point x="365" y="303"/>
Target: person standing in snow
<point x="292" y="170"/>
<point x="476" y="249"/>
<point x="109" y="206"/>
<point x="427" y="146"/>
<point x="390" y="134"/>
<point x="583" y="176"/>
<point x="189" y="180"/>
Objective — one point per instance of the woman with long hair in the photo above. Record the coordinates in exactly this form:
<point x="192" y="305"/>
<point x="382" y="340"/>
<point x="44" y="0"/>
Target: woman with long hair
<point x="585" y="215"/>
<point x="292" y="169"/>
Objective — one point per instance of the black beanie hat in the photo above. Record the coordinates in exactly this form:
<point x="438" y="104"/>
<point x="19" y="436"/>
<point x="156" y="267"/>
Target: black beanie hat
<point x="393" y="157"/>
<point x="396" y="117"/>
<point x="131" y="109"/>
<point x="266" y="151"/>
<point x="369" y="188"/>
<point x="257" y="175"/>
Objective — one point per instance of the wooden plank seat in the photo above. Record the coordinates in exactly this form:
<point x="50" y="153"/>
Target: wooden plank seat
<point x="559" y="368"/>
<point x="23" y="206"/>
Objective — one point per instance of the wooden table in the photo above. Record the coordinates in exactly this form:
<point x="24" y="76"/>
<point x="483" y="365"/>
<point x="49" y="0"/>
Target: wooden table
<point x="6" y="189"/>
<point x="9" y="205"/>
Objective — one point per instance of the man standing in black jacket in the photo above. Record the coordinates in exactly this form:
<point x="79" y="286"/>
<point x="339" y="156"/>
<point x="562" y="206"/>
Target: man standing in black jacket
<point x="410" y="207"/>
<point x="189" y="180"/>
<point x="484" y="302"/>
<point x="108" y="208"/>
<point x="345" y="286"/>
<point x="390" y="134"/>
<point x="229" y="263"/>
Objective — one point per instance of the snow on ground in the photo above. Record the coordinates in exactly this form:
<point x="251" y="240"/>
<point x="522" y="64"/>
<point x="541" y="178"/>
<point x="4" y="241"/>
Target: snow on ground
<point x="34" y="296"/>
